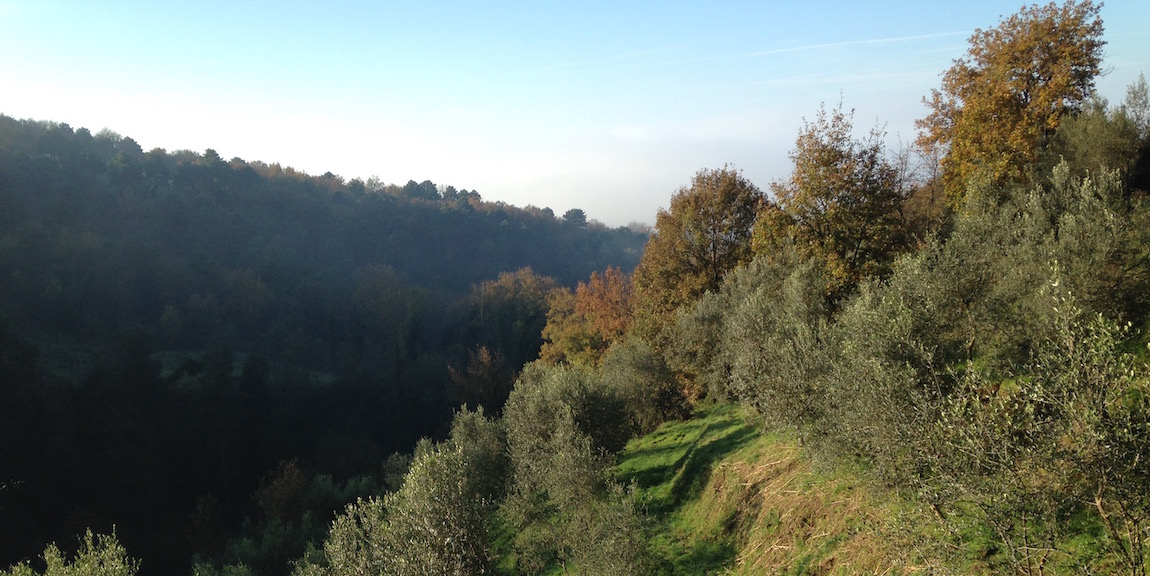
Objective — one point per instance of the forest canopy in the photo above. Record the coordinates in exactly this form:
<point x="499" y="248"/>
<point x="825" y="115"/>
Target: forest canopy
<point x="189" y="322"/>
<point x="229" y="367"/>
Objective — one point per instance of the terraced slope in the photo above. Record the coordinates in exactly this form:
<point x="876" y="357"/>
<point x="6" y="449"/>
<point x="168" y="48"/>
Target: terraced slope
<point x="730" y="499"/>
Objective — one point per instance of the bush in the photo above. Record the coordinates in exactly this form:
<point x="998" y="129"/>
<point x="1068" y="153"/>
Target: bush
<point x="1069" y="436"/>
<point x="435" y="524"/>
<point x="641" y="377"/>
<point x="694" y="349"/>
<point x="542" y="393"/>
<point x="99" y="555"/>
<point x="563" y="424"/>
<point x="774" y="340"/>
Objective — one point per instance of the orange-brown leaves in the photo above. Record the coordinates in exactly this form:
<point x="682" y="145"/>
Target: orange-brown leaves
<point x="706" y="234"/>
<point x="841" y="204"/>
<point x="582" y="326"/>
<point x="999" y="105"/>
<point x="605" y="301"/>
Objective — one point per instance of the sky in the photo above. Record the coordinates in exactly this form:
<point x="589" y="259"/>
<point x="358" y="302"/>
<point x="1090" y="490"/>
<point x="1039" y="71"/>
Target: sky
<point x="610" y="107"/>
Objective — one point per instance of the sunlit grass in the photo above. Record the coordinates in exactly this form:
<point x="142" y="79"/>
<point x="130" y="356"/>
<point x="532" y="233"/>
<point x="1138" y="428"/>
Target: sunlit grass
<point x="670" y="468"/>
<point x="727" y="498"/>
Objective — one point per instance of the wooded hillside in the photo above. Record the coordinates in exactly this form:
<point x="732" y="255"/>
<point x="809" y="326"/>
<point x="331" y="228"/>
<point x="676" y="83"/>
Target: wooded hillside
<point x="954" y="337"/>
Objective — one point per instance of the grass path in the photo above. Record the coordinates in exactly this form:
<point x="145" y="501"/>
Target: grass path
<point x="728" y="499"/>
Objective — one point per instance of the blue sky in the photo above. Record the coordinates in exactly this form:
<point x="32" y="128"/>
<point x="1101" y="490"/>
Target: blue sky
<point x="605" y="106"/>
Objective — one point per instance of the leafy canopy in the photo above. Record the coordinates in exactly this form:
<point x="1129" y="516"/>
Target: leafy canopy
<point x="704" y="235"/>
<point x="999" y="105"/>
<point x="582" y="326"/>
<point x="841" y="204"/>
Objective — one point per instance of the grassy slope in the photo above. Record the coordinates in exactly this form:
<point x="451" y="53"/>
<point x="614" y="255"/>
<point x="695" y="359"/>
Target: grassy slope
<point x="727" y="498"/>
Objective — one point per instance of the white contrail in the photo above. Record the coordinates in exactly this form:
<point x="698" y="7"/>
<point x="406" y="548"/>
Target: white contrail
<point x="632" y="56"/>
<point x="843" y="44"/>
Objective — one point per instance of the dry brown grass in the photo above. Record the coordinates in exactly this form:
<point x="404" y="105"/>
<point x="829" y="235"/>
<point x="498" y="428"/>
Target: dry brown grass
<point x="792" y="520"/>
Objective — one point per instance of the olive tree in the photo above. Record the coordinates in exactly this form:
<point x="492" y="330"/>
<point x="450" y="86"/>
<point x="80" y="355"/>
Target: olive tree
<point x="99" y="555"/>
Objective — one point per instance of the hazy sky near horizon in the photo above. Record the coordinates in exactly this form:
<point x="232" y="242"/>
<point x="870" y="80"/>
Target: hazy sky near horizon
<point x="605" y="106"/>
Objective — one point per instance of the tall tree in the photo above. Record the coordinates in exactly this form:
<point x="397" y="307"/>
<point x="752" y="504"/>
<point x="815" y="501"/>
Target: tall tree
<point x="508" y="314"/>
<point x="575" y="216"/>
<point x="840" y="205"/>
<point x="705" y="234"/>
<point x="998" y="106"/>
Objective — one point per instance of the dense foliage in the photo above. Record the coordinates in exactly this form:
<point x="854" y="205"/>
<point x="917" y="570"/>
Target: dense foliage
<point x="999" y="106"/>
<point x="985" y="362"/>
<point x="174" y="325"/>
<point x="705" y="234"/>
<point x="842" y="204"/>
<point x="582" y="326"/>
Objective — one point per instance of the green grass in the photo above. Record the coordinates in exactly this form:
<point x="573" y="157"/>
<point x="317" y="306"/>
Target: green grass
<point x="670" y="468"/>
<point x="673" y="463"/>
<point x="726" y="498"/>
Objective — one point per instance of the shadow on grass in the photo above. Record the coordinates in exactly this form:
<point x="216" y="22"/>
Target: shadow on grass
<point x="654" y="475"/>
<point x="675" y="463"/>
<point x="695" y="469"/>
<point x="705" y="557"/>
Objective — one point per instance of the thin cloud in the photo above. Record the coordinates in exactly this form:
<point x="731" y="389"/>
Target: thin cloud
<point x="822" y="46"/>
<point x="641" y="57"/>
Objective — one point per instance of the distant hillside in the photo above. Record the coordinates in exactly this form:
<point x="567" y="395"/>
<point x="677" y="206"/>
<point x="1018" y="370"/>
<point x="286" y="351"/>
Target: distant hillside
<point x="174" y="327"/>
<point x="92" y="218"/>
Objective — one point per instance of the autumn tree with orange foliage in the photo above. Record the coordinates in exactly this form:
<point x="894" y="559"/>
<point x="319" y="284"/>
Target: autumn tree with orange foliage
<point x="581" y="326"/>
<point x="999" y="106"/>
<point x="705" y="235"/>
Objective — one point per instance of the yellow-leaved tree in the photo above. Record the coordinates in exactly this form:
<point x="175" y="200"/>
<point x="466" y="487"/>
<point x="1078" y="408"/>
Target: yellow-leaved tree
<point x="705" y="234"/>
<point x="841" y="205"/>
<point x="999" y="106"/>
